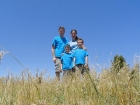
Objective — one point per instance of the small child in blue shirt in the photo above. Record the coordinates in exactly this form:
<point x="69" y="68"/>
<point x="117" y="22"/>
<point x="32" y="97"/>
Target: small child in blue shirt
<point x="80" y="57"/>
<point x="67" y="61"/>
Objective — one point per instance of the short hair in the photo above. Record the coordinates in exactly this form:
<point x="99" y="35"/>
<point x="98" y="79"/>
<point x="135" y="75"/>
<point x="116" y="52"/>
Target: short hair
<point x="61" y="27"/>
<point x="67" y="46"/>
<point x="80" y="39"/>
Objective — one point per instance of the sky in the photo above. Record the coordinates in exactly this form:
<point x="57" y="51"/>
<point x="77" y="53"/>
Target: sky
<point x="27" y="28"/>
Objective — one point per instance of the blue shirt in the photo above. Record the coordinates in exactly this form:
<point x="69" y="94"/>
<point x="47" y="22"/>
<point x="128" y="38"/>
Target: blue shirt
<point x="80" y="55"/>
<point x="59" y="44"/>
<point x="66" y="60"/>
<point x="73" y="45"/>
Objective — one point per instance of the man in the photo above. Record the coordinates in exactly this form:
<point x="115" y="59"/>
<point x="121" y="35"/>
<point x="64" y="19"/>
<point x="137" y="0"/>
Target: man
<point x="58" y="45"/>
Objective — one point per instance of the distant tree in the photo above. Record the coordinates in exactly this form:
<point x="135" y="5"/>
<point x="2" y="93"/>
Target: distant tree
<point x="118" y="63"/>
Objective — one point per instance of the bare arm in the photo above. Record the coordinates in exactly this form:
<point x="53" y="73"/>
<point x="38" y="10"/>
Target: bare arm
<point x="84" y="47"/>
<point x="53" y="54"/>
<point x="74" y="61"/>
<point x="86" y="60"/>
<point x="61" y="66"/>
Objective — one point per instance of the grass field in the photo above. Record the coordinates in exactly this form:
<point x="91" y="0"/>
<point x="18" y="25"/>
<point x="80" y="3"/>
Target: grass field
<point x="106" y="88"/>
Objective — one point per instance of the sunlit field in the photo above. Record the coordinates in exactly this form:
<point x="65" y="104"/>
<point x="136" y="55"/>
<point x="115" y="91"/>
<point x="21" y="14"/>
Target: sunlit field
<point x="105" y="88"/>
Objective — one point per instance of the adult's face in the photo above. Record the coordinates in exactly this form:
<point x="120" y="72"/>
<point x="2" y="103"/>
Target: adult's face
<point x="73" y="34"/>
<point x="61" y="32"/>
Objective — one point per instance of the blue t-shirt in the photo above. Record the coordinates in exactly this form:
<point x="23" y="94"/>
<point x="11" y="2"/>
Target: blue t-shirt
<point x="66" y="60"/>
<point x="59" y="44"/>
<point x="73" y="45"/>
<point x="80" y="55"/>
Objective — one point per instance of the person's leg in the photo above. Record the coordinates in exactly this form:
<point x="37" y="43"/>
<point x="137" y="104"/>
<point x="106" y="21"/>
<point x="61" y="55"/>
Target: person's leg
<point x="70" y="72"/>
<point x="65" y="75"/>
<point x="58" y="68"/>
<point x="82" y="69"/>
<point x="73" y="69"/>
<point x="87" y="68"/>
<point x="84" y="72"/>
<point x="57" y="75"/>
<point x="78" y="72"/>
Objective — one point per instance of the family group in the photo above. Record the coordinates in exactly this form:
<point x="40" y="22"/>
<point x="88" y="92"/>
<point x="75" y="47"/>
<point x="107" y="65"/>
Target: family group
<point x="69" y="57"/>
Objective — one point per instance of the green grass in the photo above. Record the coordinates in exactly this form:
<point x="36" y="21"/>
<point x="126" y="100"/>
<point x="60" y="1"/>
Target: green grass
<point x="106" y="88"/>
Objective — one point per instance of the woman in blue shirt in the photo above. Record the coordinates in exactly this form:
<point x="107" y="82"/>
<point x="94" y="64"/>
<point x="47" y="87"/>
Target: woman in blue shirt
<point x="73" y="43"/>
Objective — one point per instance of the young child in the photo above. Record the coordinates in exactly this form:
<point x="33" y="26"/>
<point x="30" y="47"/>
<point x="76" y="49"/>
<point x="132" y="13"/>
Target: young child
<point x="66" y="61"/>
<point x="80" y="57"/>
<point x="57" y="49"/>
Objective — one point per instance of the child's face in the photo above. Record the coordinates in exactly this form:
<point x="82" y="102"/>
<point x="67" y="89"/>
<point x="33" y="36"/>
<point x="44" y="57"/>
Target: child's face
<point x="80" y="43"/>
<point x="67" y="49"/>
<point x="61" y="31"/>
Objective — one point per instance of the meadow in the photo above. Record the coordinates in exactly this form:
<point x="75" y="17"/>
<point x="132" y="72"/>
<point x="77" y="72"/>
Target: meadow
<point x="105" y="88"/>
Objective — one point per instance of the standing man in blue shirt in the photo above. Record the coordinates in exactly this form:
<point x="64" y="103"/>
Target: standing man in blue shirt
<point x="57" y="49"/>
<point x="80" y="57"/>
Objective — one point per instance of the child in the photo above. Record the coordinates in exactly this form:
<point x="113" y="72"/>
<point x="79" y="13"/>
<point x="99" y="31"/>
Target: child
<point x="57" y="49"/>
<point x="80" y="57"/>
<point x="66" y="61"/>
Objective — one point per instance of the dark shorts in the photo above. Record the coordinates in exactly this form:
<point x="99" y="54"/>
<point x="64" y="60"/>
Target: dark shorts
<point x="81" y="68"/>
<point x="67" y="72"/>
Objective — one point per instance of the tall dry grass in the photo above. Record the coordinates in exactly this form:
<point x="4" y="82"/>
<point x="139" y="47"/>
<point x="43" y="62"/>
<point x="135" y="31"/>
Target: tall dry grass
<point x="106" y="88"/>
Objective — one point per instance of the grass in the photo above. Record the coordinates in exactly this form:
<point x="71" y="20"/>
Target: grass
<point x="106" y="88"/>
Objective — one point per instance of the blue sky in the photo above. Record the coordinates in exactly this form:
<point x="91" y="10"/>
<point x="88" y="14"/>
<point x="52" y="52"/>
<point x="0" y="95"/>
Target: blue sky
<point x="27" y="28"/>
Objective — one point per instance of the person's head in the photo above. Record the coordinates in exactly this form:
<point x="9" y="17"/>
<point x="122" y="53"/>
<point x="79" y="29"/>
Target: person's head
<point x="61" y="30"/>
<point x="80" y="42"/>
<point x="67" y="48"/>
<point x="74" y="34"/>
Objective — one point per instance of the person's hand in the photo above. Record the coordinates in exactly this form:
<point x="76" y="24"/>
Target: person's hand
<point x="84" y="47"/>
<point x="86" y="65"/>
<point x="54" y="59"/>
<point x="60" y="70"/>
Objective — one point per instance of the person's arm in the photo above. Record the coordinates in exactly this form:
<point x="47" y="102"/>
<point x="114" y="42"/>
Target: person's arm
<point x="73" y="61"/>
<point x="73" y="56"/>
<point x="86" y="61"/>
<point x="61" y="66"/>
<point x="84" y="47"/>
<point x="53" y="54"/>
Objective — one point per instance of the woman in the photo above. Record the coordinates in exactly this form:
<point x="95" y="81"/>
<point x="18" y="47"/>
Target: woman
<point x="73" y="42"/>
